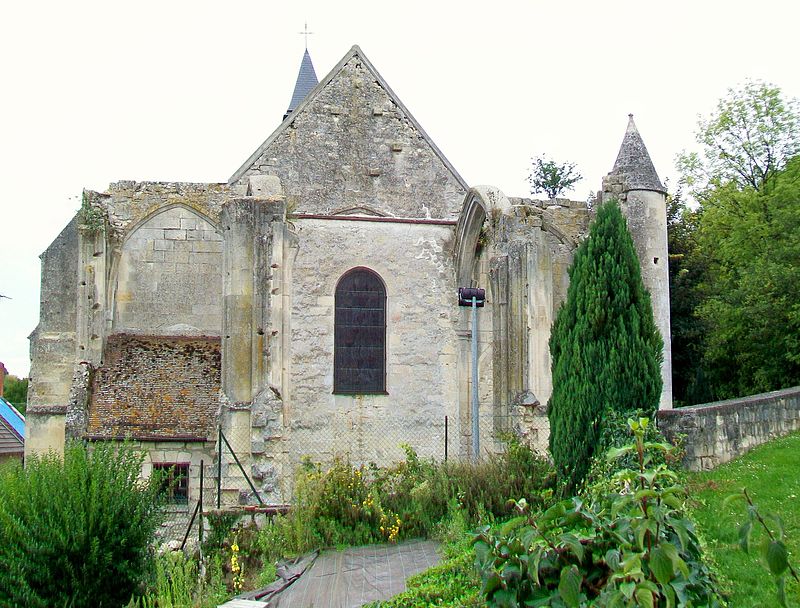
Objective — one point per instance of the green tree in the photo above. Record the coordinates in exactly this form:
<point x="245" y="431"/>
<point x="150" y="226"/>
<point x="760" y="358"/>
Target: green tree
<point x="751" y="240"/>
<point x="606" y="349"/>
<point x="551" y="177"/>
<point x="748" y="138"/>
<point x="15" y="391"/>
<point x="76" y="532"/>
<point x="688" y="270"/>
<point x="745" y="181"/>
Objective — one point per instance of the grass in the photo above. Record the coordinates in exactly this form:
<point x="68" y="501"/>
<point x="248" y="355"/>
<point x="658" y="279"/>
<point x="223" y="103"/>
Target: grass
<point x="770" y="474"/>
<point x="453" y="583"/>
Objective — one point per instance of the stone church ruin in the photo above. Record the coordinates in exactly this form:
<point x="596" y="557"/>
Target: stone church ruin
<point x="308" y="305"/>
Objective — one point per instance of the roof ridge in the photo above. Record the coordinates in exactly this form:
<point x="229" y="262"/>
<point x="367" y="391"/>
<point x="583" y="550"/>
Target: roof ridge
<point x="354" y="51"/>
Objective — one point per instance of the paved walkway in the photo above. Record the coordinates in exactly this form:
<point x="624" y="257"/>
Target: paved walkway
<point x="355" y="576"/>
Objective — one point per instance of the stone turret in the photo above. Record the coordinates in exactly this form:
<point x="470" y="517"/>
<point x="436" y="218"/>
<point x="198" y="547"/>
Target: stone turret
<point x="306" y="81"/>
<point x="635" y="184"/>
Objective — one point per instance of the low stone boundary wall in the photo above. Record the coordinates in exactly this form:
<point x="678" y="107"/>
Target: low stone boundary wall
<point x="718" y="432"/>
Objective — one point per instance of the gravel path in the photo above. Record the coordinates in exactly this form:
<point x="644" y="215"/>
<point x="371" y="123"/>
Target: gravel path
<point x="355" y="576"/>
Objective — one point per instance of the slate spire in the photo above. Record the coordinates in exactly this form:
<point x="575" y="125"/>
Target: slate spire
<point x="634" y="162"/>
<point x="306" y="80"/>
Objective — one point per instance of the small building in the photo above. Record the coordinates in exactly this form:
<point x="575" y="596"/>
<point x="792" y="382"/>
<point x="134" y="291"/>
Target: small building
<point x="12" y="432"/>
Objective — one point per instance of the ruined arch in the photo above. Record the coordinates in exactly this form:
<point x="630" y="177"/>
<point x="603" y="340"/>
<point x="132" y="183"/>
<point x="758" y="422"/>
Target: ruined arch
<point x="168" y="275"/>
<point x="481" y="202"/>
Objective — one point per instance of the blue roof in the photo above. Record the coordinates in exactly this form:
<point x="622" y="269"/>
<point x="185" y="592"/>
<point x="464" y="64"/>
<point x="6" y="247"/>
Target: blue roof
<point x="10" y="414"/>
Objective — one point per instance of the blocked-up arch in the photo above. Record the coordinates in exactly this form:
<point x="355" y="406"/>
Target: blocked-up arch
<point x="169" y="276"/>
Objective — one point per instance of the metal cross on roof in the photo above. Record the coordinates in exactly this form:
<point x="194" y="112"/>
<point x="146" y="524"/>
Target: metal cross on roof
<point x="306" y="33"/>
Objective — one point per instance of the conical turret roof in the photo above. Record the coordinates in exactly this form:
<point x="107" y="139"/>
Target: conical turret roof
<point x="634" y="162"/>
<point x="306" y="81"/>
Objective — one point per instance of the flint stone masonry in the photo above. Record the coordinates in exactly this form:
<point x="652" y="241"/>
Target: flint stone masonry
<point x="715" y="433"/>
<point x="156" y="387"/>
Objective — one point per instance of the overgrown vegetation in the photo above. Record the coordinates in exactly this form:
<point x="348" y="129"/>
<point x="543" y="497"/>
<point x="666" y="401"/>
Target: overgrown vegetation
<point x="351" y="505"/>
<point x="551" y="177"/>
<point x="630" y="546"/>
<point x="605" y="347"/>
<point x="347" y="504"/>
<point x="76" y="532"/>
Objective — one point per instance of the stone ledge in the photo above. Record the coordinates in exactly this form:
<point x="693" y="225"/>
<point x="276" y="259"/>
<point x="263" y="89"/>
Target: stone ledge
<point x="46" y="410"/>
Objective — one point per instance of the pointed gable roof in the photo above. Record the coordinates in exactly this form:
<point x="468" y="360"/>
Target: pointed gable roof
<point x="634" y="162"/>
<point x="306" y="81"/>
<point x="355" y="51"/>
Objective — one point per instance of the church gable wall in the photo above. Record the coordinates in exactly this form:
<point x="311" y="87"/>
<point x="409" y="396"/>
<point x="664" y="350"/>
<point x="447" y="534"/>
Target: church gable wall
<point x="170" y="275"/>
<point x="352" y="146"/>
<point x="415" y="263"/>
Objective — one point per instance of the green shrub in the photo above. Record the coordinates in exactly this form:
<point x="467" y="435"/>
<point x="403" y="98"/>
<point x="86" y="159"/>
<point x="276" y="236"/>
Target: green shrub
<point x="630" y="547"/>
<point x="75" y="532"/>
<point x="421" y="492"/>
<point x="351" y="505"/>
<point x="606" y="350"/>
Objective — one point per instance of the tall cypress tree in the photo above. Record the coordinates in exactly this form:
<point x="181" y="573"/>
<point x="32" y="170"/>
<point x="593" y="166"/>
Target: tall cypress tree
<point x="605" y="347"/>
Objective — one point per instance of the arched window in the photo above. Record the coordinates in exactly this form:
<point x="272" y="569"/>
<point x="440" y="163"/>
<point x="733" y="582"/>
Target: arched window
<point x="359" y="352"/>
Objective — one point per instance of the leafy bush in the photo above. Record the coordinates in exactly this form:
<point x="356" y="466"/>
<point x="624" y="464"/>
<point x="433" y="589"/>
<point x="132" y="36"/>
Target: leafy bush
<point x="605" y="346"/>
<point x="348" y="504"/>
<point x="421" y="492"/>
<point x="76" y="532"/>
<point x="630" y="547"/>
<point x="342" y="506"/>
<point x="772" y="548"/>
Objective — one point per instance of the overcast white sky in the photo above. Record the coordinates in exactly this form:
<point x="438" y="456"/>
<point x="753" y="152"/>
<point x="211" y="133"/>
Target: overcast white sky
<point x="96" y="92"/>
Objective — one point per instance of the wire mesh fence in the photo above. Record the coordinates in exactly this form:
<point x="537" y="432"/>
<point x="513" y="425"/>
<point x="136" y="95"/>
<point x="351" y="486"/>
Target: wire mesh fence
<point x="237" y="472"/>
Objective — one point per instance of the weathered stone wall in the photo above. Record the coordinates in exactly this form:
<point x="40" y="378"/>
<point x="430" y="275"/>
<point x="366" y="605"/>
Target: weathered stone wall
<point x="128" y="202"/>
<point x="717" y="432"/>
<point x="179" y="452"/>
<point x="415" y="263"/>
<point x="53" y="345"/>
<point x="156" y="387"/>
<point x="53" y="340"/>
<point x="170" y="276"/>
<point x="352" y="146"/>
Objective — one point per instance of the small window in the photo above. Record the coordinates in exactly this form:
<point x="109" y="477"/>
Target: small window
<point x="175" y="481"/>
<point x="359" y="355"/>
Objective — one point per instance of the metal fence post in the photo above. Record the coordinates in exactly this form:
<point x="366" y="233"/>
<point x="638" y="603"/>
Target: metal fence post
<point x="475" y="422"/>
<point x="202" y="468"/>
<point x="445" y="438"/>
<point x="219" y="466"/>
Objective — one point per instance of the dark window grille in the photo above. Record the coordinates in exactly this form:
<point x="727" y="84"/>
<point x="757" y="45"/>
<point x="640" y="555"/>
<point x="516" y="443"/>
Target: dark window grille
<point x="359" y="354"/>
<point x="174" y="481"/>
